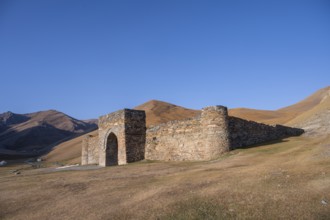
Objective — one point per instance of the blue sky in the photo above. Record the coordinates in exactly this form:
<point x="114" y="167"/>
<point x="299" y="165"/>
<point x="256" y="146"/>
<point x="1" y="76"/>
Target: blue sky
<point x="88" y="58"/>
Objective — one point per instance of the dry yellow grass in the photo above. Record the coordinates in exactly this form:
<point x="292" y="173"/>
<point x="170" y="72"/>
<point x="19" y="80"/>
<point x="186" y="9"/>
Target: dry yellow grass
<point x="284" y="180"/>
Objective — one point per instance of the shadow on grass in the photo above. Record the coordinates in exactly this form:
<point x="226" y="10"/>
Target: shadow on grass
<point x="263" y="144"/>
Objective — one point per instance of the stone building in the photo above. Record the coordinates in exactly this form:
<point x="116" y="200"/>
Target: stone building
<point x="123" y="137"/>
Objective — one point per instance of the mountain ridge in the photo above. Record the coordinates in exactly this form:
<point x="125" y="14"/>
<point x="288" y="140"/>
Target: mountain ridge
<point x="32" y="133"/>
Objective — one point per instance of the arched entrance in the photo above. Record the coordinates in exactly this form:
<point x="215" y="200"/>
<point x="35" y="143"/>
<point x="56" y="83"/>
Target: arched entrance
<point x="111" y="156"/>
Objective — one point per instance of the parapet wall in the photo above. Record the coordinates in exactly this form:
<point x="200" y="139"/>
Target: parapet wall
<point x="244" y="133"/>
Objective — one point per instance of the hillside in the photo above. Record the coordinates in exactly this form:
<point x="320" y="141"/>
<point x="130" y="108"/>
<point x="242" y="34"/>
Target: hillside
<point x="34" y="133"/>
<point x="308" y="103"/>
<point x="315" y="120"/>
<point x="158" y="112"/>
<point x="263" y="116"/>
<point x="283" y="115"/>
<point x="68" y="151"/>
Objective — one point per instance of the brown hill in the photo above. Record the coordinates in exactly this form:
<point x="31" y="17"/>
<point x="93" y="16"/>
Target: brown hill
<point x="34" y="133"/>
<point x="315" y="120"/>
<point x="283" y="115"/>
<point x="308" y="103"/>
<point x="263" y="116"/>
<point x="158" y="112"/>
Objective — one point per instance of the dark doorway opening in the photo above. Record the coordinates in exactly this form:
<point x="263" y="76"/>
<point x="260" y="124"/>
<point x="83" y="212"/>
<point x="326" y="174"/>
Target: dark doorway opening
<point x="112" y="150"/>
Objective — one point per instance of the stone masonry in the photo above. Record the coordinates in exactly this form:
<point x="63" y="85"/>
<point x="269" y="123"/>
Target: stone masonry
<point x="90" y="149"/>
<point x="123" y="137"/>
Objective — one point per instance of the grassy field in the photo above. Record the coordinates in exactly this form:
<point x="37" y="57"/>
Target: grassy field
<point x="283" y="180"/>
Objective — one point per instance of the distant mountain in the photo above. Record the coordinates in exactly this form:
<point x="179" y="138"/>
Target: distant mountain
<point x="8" y="118"/>
<point x="34" y="133"/>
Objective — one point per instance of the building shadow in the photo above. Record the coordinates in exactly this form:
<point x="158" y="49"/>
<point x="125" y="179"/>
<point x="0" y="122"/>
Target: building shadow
<point x="263" y="144"/>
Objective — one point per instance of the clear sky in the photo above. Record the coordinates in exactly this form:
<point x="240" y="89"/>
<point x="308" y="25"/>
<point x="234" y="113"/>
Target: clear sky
<point x="88" y="58"/>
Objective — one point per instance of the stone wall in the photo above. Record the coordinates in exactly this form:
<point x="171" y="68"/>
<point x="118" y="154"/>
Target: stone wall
<point x="175" y="140"/>
<point x="90" y="150"/>
<point x="135" y="135"/>
<point x="244" y="133"/>
<point x="201" y="138"/>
